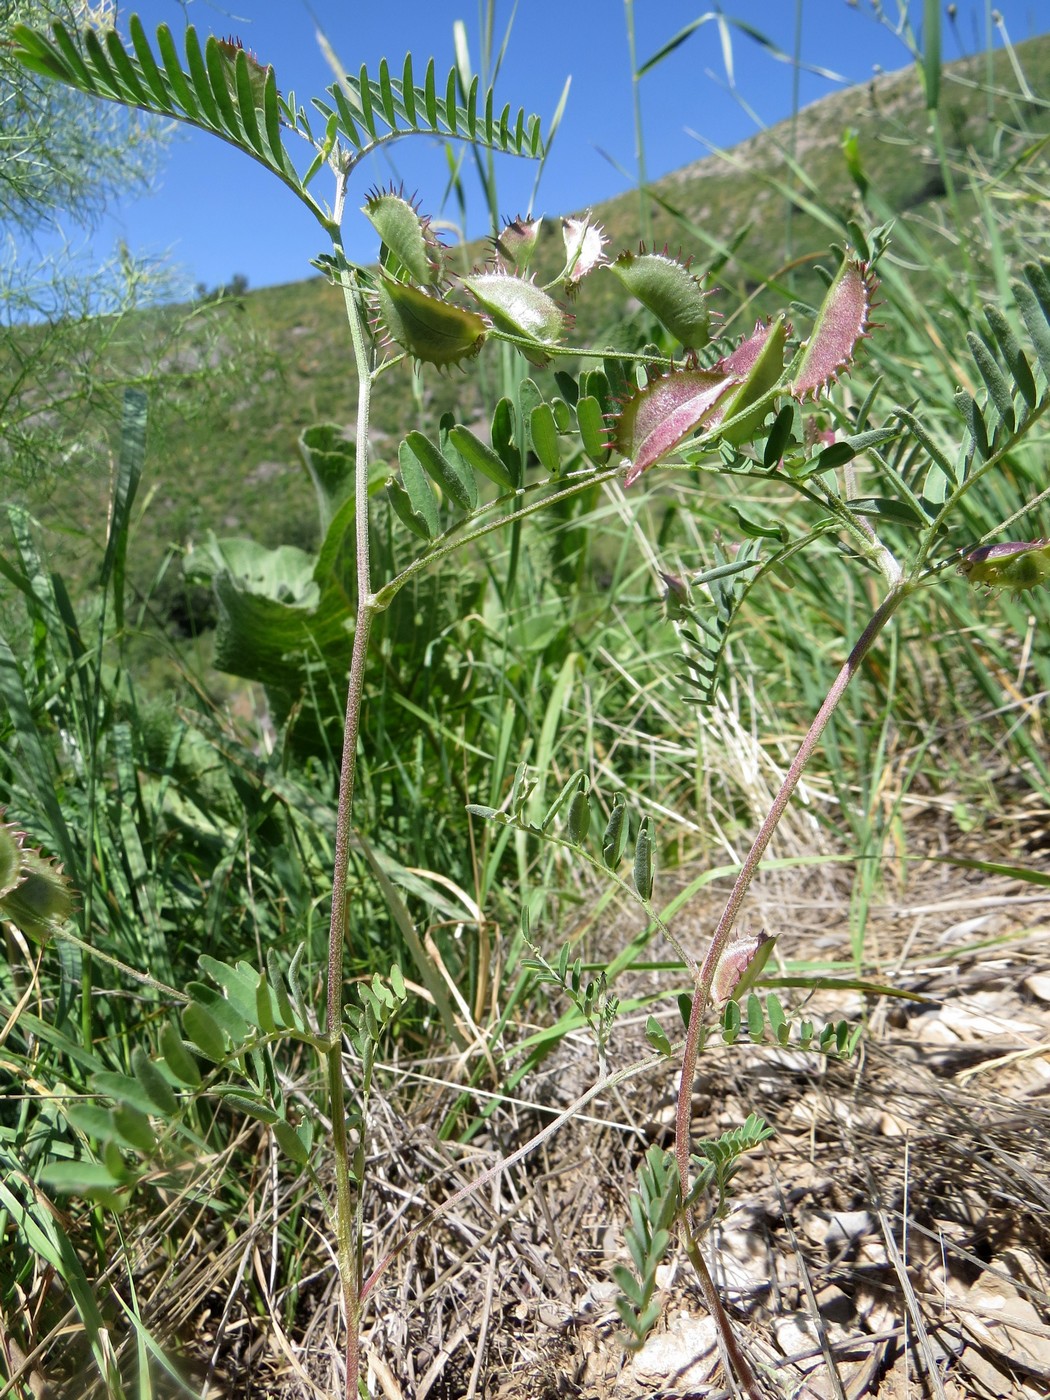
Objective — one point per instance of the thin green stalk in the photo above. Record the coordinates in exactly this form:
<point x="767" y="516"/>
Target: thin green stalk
<point x="645" y="222"/>
<point x="348" y="1257"/>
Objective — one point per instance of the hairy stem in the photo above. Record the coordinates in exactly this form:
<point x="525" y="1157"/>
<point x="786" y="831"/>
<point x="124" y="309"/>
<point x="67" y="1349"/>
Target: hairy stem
<point x="736" y="1358"/>
<point x="717" y="947"/>
<point x="338" y="934"/>
<point x="720" y="937"/>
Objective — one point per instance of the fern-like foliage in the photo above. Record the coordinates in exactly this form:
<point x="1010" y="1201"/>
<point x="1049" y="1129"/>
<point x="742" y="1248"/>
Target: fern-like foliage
<point x="704" y="633"/>
<point x="768" y="1023"/>
<point x="717" y="1160"/>
<point x="1013" y="393"/>
<point x="657" y="1203"/>
<point x="1016" y="376"/>
<point x="654" y="1206"/>
<point x="219" y="87"/>
<point x="591" y="998"/>
<point x="367" y="112"/>
<point x="223" y="1049"/>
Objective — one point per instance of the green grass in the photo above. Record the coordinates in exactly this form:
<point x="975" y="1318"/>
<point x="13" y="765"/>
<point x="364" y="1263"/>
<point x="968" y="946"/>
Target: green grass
<point x="233" y="465"/>
<point x="191" y="823"/>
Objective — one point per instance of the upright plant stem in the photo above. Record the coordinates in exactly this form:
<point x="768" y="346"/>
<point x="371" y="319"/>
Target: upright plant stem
<point x="639" y="130"/>
<point x="348" y="1260"/>
<point x="720" y="938"/>
<point x="717" y="947"/>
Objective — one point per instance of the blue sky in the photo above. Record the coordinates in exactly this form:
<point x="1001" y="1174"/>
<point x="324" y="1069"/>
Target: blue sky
<point x="215" y="213"/>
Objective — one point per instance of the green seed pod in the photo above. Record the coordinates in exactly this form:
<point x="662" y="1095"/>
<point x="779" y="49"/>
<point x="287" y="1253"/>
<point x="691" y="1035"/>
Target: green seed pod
<point x="234" y="54"/>
<point x="643" y="860"/>
<point x="42" y="898"/>
<point x="617" y="832"/>
<point x="670" y="291"/>
<point x="579" y="819"/>
<point x="518" y="240"/>
<point x="405" y="235"/>
<point x="522" y="309"/>
<point x="10" y="857"/>
<point x="431" y="330"/>
<point x="760" y="359"/>
<point x="1013" y="565"/>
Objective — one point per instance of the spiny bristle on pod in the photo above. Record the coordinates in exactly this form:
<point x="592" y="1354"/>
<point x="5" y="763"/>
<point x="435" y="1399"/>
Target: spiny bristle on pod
<point x="843" y="321"/>
<point x="517" y="240"/>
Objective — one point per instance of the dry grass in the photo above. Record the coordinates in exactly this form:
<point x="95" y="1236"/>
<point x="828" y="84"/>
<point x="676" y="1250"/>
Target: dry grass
<point x="892" y="1240"/>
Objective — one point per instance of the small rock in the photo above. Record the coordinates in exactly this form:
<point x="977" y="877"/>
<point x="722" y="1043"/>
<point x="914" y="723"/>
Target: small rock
<point x="844" y="1227"/>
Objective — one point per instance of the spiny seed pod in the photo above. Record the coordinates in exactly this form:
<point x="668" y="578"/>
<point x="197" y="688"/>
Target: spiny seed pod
<point x="1014" y="565"/>
<point x="432" y="331"/>
<point x="41" y="900"/>
<point x="11" y="843"/>
<point x="760" y="360"/>
<point x="584" y="250"/>
<point x="670" y="291"/>
<point x="517" y="241"/>
<point x="522" y="309"/>
<point x="842" y="323"/>
<point x="409" y="246"/>
<point x="741" y="965"/>
<point x="655" y="420"/>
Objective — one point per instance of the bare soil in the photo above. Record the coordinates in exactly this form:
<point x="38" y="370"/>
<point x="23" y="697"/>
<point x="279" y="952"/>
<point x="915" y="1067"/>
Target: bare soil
<point x="891" y="1240"/>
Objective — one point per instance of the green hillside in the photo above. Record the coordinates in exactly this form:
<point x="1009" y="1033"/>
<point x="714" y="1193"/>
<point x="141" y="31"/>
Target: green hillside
<point x="233" y="465"/>
<point x="357" y="895"/>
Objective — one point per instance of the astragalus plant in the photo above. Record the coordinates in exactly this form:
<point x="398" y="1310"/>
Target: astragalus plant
<point x="764" y="409"/>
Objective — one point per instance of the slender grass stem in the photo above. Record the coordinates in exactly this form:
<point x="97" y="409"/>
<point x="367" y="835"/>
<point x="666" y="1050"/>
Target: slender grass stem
<point x="717" y="947"/>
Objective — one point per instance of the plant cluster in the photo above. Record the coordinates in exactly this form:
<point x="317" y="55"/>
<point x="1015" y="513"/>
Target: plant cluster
<point x="760" y="411"/>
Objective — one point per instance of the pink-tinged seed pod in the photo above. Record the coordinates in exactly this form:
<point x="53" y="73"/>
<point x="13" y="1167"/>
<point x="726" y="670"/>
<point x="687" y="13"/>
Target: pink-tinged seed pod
<point x="741" y="966"/>
<point x="1016" y="565"/>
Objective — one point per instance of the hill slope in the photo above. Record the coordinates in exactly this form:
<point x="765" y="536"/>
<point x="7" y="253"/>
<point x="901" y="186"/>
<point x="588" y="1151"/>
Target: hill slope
<point x="234" y="467"/>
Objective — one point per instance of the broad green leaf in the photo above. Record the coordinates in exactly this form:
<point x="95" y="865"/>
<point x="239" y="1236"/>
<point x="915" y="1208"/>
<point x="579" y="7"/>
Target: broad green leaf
<point x="159" y="1091"/>
<point x="178" y="1058"/>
